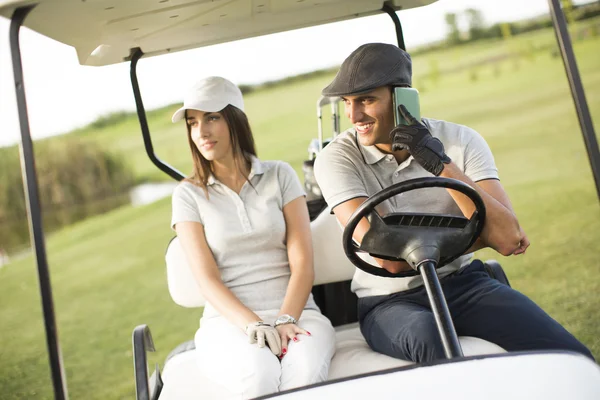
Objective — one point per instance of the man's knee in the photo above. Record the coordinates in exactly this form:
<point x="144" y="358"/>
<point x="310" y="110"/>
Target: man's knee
<point x="413" y="338"/>
<point x="566" y="341"/>
<point x="420" y="340"/>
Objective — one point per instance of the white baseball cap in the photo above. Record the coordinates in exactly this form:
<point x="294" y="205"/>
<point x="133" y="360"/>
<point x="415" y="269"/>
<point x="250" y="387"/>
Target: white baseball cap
<point x="210" y="94"/>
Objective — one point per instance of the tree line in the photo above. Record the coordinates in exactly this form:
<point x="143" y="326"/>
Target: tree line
<point x="76" y="179"/>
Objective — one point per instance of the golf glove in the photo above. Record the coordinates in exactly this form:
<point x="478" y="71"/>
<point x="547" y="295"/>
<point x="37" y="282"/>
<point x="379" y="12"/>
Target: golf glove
<point x="427" y="150"/>
<point x="261" y="333"/>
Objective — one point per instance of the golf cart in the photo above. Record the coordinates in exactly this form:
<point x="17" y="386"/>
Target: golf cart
<point x="355" y="369"/>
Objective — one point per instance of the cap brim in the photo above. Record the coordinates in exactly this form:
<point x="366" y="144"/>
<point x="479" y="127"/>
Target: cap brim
<point x="337" y="88"/>
<point x="206" y="107"/>
<point x="335" y="92"/>
<point x="179" y="114"/>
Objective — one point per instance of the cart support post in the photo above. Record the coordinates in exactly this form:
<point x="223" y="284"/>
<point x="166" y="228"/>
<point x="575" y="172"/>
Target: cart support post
<point x="392" y="13"/>
<point x="34" y="212"/>
<point x="141" y="112"/>
<point x="443" y="320"/>
<point x="581" y="106"/>
<point x="142" y="342"/>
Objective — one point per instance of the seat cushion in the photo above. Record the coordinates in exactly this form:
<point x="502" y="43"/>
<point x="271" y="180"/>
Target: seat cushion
<point x="331" y="263"/>
<point x="182" y="380"/>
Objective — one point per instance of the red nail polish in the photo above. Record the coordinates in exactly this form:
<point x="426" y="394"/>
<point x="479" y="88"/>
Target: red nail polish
<point x="284" y="351"/>
<point x="295" y="339"/>
<point x="308" y="333"/>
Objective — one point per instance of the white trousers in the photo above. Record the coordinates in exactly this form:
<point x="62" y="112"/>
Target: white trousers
<point x="225" y="356"/>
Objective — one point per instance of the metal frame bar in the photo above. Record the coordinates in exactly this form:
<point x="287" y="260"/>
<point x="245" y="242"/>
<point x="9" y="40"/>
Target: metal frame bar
<point x="335" y="117"/>
<point x="141" y="112"/>
<point x="441" y="313"/>
<point x="581" y="106"/>
<point x="392" y="13"/>
<point x="142" y="342"/>
<point x="34" y="212"/>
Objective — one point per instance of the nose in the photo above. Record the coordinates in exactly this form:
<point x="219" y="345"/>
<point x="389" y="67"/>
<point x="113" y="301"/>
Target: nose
<point x="200" y="131"/>
<point x="354" y="111"/>
<point x="204" y="131"/>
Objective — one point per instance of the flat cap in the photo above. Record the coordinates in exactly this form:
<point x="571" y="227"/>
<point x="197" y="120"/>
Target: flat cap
<point x="371" y="66"/>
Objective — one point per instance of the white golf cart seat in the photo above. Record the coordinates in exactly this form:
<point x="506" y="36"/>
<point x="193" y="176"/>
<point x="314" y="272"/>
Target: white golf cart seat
<point x="180" y="376"/>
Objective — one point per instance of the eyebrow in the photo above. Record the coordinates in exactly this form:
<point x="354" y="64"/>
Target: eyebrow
<point x="359" y="98"/>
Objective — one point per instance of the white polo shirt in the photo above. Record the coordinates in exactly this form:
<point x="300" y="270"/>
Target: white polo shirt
<point x="345" y="169"/>
<point x="246" y="233"/>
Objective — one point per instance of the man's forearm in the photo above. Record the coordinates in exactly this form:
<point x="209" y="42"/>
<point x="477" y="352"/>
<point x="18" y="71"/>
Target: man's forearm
<point x="501" y="231"/>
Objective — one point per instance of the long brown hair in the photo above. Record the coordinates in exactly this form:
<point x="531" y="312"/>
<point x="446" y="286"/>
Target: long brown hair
<point x="242" y="143"/>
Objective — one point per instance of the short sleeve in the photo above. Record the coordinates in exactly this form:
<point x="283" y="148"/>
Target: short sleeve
<point x="337" y="176"/>
<point x="289" y="183"/>
<point x="479" y="161"/>
<point x="184" y="206"/>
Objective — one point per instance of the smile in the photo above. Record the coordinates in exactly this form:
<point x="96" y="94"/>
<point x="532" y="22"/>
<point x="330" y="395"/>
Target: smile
<point x="364" y="128"/>
<point x="208" y="145"/>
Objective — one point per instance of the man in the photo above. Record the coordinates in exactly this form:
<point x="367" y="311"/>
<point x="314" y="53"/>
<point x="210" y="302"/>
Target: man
<point x="394" y="313"/>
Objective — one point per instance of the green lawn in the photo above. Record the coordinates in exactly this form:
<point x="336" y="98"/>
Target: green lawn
<point x="108" y="272"/>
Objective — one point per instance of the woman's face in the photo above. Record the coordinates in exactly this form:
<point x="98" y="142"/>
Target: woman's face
<point x="210" y="134"/>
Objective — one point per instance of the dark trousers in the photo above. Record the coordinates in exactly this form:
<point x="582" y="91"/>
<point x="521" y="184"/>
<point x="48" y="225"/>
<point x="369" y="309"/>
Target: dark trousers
<point x="402" y="325"/>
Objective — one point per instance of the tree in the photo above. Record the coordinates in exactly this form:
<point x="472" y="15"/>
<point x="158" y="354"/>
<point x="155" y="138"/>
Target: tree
<point x="476" y="24"/>
<point x="567" y="6"/>
<point x="453" y="32"/>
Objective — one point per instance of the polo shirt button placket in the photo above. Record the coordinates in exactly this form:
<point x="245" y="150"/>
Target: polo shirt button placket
<point x="241" y="209"/>
<point x="243" y="215"/>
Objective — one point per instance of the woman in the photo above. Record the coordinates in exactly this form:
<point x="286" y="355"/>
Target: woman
<point x="244" y="227"/>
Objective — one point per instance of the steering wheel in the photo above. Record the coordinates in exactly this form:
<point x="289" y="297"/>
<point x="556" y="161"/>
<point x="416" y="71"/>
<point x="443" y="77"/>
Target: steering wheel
<point x="413" y="237"/>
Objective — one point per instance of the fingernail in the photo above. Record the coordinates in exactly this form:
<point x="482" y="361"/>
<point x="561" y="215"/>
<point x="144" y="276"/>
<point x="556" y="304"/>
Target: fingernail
<point x="308" y="333"/>
<point x="284" y="351"/>
<point x="295" y="339"/>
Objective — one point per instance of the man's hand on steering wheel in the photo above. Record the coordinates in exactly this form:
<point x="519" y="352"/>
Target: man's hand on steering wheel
<point x="427" y="150"/>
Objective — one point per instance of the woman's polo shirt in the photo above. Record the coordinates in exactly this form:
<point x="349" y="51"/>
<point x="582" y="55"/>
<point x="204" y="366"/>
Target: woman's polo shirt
<point x="246" y="232"/>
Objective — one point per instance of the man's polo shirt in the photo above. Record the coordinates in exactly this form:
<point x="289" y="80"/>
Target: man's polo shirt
<point x="246" y="232"/>
<point x="345" y="169"/>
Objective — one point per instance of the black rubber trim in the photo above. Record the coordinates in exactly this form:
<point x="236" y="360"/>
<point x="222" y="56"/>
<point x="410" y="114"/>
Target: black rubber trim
<point x="392" y="13"/>
<point x="34" y="210"/>
<point x="142" y="342"/>
<point x="141" y="112"/>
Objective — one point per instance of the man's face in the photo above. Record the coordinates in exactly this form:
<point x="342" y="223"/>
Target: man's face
<point x="372" y="115"/>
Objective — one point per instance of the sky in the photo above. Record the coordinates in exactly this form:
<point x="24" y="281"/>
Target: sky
<point x="63" y="95"/>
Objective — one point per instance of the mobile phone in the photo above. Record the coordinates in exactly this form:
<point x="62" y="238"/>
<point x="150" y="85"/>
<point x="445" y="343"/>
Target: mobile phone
<point x="410" y="98"/>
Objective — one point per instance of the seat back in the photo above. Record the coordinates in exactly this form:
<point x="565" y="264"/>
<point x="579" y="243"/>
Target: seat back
<point x="331" y="263"/>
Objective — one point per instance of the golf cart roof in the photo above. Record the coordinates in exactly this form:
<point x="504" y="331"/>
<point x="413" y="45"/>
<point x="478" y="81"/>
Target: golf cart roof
<point x="105" y="31"/>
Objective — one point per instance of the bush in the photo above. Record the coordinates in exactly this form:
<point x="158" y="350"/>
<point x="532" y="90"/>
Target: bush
<point x="111" y="119"/>
<point x="76" y="179"/>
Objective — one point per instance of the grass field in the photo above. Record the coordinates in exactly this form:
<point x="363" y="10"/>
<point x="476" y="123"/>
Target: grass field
<point x="108" y="272"/>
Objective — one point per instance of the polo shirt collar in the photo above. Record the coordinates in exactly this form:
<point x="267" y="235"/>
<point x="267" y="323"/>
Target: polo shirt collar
<point x="255" y="169"/>
<point x="211" y="179"/>
<point x="371" y="154"/>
